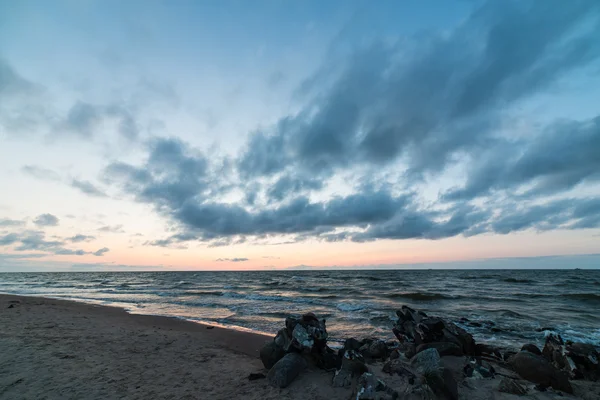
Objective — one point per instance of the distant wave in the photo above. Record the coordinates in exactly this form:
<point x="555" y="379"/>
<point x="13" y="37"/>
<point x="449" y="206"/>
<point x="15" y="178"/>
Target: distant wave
<point x="420" y="296"/>
<point x="515" y="280"/>
<point x="202" y="293"/>
<point x="581" y="296"/>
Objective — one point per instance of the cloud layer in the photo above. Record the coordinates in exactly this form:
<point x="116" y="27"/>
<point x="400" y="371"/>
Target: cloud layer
<point x="411" y="109"/>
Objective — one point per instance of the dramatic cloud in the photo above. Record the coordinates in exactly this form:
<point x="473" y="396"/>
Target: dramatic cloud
<point x="232" y="259"/>
<point x="566" y="155"/>
<point x="80" y="238"/>
<point x="4" y="222"/>
<point x="427" y="99"/>
<point x="87" y="188"/>
<point x="40" y="173"/>
<point x="46" y="220"/>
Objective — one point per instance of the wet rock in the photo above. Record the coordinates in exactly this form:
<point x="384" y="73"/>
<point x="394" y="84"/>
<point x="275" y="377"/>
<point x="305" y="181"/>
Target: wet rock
<point x="532" y="348"/>
<point x="427" y="361"/>
<point x="443" y="348"/>
<point x="508" y="385"/>
<point x="395" y="354"/>
<point x="538" y="370"/>
<point x="586" y="359"/>
<point x="286" y="370"/>
<point x="417" y="327"/>
<point x="270" y="354"/>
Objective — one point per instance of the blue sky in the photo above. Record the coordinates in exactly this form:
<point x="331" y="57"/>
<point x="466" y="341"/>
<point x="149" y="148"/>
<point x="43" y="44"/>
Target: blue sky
<point x="270" y="134"/>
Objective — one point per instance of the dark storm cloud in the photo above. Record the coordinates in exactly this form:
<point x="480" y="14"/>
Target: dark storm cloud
<point x="46" y="220"/>
<point x="565" y="155"/>
<point x="288" y="185"/>
<point x="87" y="188"/>
<point x="232" y="259"/>
<point x="80" y="238"/>
<point x="430" y="97"/>
<point x="40" y="173"/>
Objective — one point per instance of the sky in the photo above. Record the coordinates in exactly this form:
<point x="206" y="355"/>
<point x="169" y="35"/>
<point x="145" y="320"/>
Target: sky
<point x="222" y="135"/>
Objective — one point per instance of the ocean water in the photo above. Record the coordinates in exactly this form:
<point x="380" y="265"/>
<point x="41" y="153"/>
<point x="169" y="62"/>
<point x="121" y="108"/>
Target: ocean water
<point x="359" y="304"/>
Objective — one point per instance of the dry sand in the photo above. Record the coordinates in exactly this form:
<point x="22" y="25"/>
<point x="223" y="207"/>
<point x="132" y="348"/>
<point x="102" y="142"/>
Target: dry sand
<point x="55" y="349"/>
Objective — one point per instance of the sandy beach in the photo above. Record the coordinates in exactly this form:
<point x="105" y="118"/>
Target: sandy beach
<point x="56" y="349"/>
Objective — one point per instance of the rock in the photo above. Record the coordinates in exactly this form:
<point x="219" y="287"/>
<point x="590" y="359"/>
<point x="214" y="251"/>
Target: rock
<point x="342" y="378"/>
<point x="508" y="385"/>
<point x="327" y="360"/>
<point x="478" y="370"/>
<point x="283" y="339"/>
<point x="397" y="367"/>
<point x="395" y="354"/>
<point x="286" y="370"/>
<point x="443" y="384"/>
<point x="427" y="361"/>
<point x="301" y="337"/>
<point x="255" y="376"/>
<point x="11" y="306"/>
<point x="443" y="348"/>
<point x="508" y="354"/>
<point x="482" y="349"/>
<point x="371" y="388"/>
<point x="352" y="344"/>
<point x="584" y="354"/>
<point x="545" y="328"/>
<point x="270" y="354"/>
<point x="538" y="370"/>
<point x="366" y="387"/>
<point x="354" y="362"/>
<point x="532" y="348"/>
<point x="377" y="349"/>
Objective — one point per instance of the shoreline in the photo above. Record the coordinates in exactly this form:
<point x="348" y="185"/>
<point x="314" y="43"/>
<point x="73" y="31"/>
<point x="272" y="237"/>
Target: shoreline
<point x="64" y="349"/>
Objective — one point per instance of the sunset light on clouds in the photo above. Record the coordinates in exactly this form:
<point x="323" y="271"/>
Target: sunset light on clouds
<point x="182" y="135"/>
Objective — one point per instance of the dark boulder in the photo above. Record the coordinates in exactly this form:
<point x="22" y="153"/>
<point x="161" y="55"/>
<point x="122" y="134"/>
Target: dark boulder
<point x="538" y="370"/>
<point x="270" y="354"/>
<point x="443" y="384"/>
<point x="508" y="385"/>
<point x="427" y="361"/>
<point x="376" y="349"/>
<point x="397" y="367"/>
<point x="286" y="370"/>
<point x="352" y="344"/>
<point x="443" y="348"/>
<point x="532" y="348"/>
<point x="586" y="359"/>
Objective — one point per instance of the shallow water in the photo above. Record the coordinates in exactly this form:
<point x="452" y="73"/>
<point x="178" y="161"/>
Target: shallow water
<point x="355" y="303"/>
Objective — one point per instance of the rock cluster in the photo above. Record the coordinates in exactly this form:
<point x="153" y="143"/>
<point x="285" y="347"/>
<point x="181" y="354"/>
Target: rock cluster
<point x="416" y="359"/>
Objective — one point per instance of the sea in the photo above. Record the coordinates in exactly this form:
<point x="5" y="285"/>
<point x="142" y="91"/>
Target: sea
<point x="503" y="307"/>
